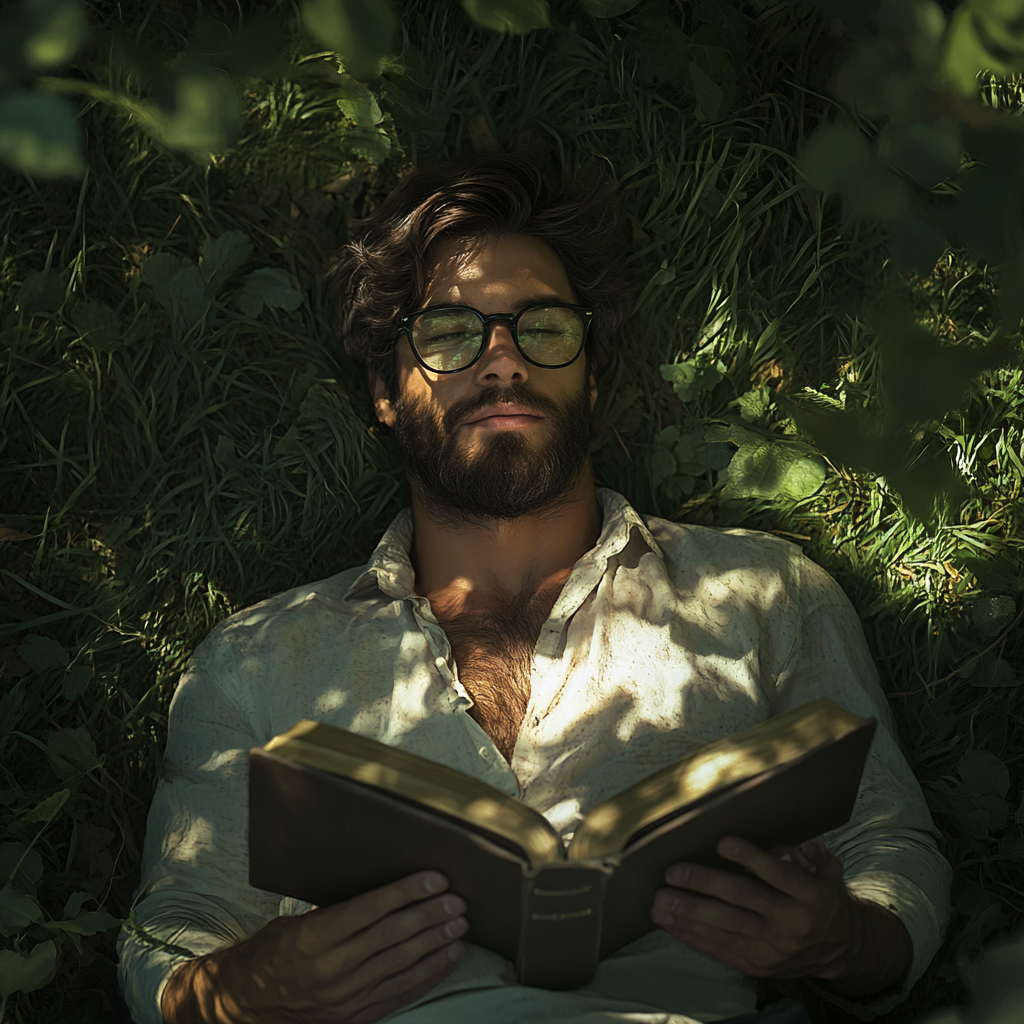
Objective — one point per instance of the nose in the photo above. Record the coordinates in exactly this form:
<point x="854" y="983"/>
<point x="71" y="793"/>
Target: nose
<point x="501" y="361"/>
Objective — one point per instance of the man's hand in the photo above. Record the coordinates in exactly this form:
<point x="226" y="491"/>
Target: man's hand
<point x="793" y="920"/>
<point x="352" y="963"/>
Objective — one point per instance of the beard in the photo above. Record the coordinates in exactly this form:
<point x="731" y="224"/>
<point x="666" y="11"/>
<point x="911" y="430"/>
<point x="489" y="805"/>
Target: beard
<point x="505" y="476"/>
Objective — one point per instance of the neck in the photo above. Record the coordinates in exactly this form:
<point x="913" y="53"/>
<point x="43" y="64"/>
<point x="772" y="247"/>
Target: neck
<point x="481" y="560"/>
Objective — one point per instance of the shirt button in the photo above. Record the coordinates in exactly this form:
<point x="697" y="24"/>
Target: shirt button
<point x="484" y="753"/>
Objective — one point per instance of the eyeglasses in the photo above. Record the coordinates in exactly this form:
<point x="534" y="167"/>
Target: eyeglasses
<point x="447" y="339"/>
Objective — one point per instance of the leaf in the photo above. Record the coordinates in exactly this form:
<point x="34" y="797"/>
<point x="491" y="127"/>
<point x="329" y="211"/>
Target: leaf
<point x="916" y="244"/>
<point x="71" y="752"/>
<point x="75" y="681"/>
<point x="45" y="811"/>
<point x="224" y="453"/>
<point x="187" y="294"/>
<point x="773" y="470"/>
<point x="930" y="152"/>
<point x="40" y="135"/>
<point x="952" y="798"/>
<point x="360" y="30"/>
<point x="204" y="118"/>
<point x="516" y="17"/>
<point x="663" y="465"/>
<point x="358" y="104"/>
<point x="42" y="291"/>
<point x="608" y="8"/>
<point x="58" y="29"/>
<point x="17" y="910"/>
<point x="30" y="870"/>
<point x="268" y="287"/>
<point x="157" y="272"/>
<point x="834" y="157"/>
<point x="983" y="35"/>
<point x="370" y="144"/>
<point x="97" y="325"/>
<point x="707" y="92"/>
<point x="220" y="257"/>
<point x="41" y="653"/>
<point x="992" y="613"/>
<point x="19" y="973"/>
<point x="89" y="923"/>
<point x="984" y="773"/>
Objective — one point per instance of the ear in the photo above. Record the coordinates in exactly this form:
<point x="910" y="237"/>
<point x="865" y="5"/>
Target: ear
<point x="381" y="401"/>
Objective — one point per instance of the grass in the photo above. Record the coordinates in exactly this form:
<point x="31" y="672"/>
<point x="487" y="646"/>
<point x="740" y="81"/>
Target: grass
<point x="201" y="464"/>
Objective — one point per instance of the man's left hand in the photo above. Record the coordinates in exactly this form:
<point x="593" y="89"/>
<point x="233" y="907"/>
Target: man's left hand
<point x="793" y="919"/>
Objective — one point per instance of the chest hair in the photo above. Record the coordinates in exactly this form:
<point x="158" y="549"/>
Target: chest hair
<point x="493" y="650"/>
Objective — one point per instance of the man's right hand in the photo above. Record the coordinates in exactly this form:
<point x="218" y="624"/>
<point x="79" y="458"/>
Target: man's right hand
<point x="354" y="962"/>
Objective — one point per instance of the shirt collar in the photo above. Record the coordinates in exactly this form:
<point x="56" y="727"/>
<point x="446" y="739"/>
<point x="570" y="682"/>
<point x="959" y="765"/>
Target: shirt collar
<point x="390" y="570"/>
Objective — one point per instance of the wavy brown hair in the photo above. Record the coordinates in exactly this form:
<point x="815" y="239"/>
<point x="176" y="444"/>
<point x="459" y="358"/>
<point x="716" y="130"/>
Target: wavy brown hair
<point x="383" y="273"/>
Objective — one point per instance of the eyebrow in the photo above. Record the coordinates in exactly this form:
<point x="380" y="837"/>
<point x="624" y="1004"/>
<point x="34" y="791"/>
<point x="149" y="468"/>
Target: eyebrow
<point x="533" y="300"/>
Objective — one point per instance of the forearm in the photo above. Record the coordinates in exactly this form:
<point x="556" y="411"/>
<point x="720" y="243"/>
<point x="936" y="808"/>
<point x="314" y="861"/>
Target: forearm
<point x="880" y="951"/>
<point x="201" y="992"/>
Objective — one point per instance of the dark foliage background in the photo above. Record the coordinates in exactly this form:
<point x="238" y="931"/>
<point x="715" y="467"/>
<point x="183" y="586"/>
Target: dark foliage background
<point x="824" y="204"/>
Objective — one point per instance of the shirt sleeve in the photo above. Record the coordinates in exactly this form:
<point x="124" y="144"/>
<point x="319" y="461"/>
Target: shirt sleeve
<point x="889" y="847"/>
<point x="195" y="893"/>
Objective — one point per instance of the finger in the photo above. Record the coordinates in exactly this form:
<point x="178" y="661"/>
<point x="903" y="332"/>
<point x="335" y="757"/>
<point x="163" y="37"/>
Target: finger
<point x="747" y="893"/>
<point x="409" y="985"/>
<point x="335" y="925"/>
<point x="675" y="907"/>
<point x="787" y="878"/>
<point x="408" y="934"/>
<point x="752" y="957"/>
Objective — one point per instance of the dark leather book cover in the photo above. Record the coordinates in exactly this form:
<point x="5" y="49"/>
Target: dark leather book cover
<point x="325" y="838"/>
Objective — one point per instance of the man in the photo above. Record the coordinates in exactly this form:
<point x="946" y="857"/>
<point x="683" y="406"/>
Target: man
<point x="534" y="631"/>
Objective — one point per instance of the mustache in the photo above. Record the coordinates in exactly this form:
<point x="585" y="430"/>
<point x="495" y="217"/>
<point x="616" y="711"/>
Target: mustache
<point x="515" y="394"/>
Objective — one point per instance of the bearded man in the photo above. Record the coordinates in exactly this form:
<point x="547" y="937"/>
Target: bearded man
<point x="523" y="626"/>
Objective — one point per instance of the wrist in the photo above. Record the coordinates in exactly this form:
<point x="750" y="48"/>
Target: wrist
<point x="878" y="951"/>
<point x="192" y="994"/>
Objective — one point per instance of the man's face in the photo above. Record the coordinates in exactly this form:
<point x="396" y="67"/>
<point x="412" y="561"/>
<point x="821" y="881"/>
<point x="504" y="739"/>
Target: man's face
<point x="503" y="438"/>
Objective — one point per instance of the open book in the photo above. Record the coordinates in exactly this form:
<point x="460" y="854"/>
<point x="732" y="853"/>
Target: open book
<point x="333" y="814"/>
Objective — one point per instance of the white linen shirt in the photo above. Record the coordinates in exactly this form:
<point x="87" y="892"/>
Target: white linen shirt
<point x="665" y="637"/>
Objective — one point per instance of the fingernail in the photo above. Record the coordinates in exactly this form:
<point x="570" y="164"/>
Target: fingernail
<point x="452" y="905"/>
<point x="433" y="883"/>
<point x="453" y="929"/>
<point x="677" y="875"/>
<point x="729" y="847"/>
<point x="665" y="903"/>
<point x="455" y="950"/>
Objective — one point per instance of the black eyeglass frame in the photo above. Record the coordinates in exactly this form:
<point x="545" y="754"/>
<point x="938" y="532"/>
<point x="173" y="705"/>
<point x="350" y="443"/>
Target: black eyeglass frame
<point x="404" y="323"/>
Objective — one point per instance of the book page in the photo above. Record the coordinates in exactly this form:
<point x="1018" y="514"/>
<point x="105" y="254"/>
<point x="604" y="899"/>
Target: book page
<point x="711" y="770"/>
<point x="422" y="781"/>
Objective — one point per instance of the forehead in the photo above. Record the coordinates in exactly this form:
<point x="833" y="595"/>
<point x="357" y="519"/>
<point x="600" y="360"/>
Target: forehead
<point x="492" y="270"/>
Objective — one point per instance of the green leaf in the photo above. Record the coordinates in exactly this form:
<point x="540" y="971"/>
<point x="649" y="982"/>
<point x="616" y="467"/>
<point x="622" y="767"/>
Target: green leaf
<point x="916" y="244"/>
<point x="370" y="144"/>
<point x="833" y="157"/>
<point x="19" y="973"/>
<point x="358" y="104"/>
<point x="707" y="92"/>
<point x="28" y="873"/>
<point x="360" y="30"/>
<point x="984" y="35"/>
<point x="45" y="811"/>
<point x="516" y="17"/>
<point x="157" y="272"/>
<point x="205" y="116"/>
<point x="40" y="135"/>
<point x="17" y="910"/>
<point x="97" y="325"/>
<point x="41" y="653"/>
<point x="268" y="287"/>
<point x="75" y="681"/>
<point x="992" y="613"/>
<point x="875" y="193"/>
<point x="984" y="773"/>
<point x="71" y="752"/>
<point x="930" y="152"/>
<point x="773" y="470"/>
<point x="89" y="923"/>
<point x="42" y="291"/>
<point x="608" y="8"/>
<point x="187" y="294"/>
<point x="220" y="257"/>
<point x="952" y="798"/>
<point x="74" y="904"/>
<point x="663" y="465"/>
<point x="58" y="29"/>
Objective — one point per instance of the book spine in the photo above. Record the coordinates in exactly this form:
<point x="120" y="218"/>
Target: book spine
<point x="560" y="936"/>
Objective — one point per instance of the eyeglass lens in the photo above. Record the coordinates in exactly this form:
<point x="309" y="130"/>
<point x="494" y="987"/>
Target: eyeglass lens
<point x="450" y="339"/>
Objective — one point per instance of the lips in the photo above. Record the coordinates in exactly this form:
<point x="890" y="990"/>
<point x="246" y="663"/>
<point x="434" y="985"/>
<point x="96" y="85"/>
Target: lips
<point x="503" y="410"/>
